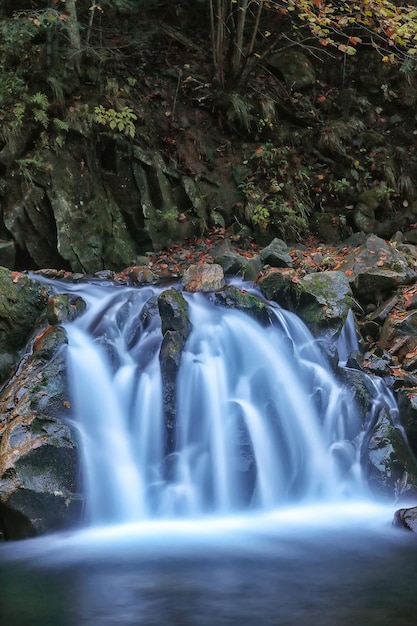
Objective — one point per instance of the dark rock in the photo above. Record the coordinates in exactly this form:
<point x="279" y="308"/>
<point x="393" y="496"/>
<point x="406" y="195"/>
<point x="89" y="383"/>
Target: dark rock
<point x="376" y="269"/>
<point x="104" y="275"/>
<point x="39" y="469"/>
<point x="234" y="298"/>
<point x="399" y="333"/>
<point x="64" y="307"/>
<point x="380" y="313"/>
<point x="173" y="310"/>
<point x="252" y="269"/>
<point x="295" y="67"/>
<point x="22" y="301"/>
<point x="392" y="467"/>
<point x="276" y="254"/>
<point x="176" y="327"/>
<point x="7" y="254"/>
<point x="231" y="261"/>
<point x="407" y="406"/>
<point x="276" y="284"/>
<point x="406" y="518"/>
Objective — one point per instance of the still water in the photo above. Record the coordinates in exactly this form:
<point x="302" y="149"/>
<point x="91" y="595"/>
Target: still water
<point x="327" y="566"/>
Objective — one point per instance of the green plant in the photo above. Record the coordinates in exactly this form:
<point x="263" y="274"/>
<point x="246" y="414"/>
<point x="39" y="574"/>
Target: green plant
<point x="121" y="121"/>
<point x="340" y="185"/>
<point x="276" y="194"/>
<point x="40" y="104"/>
<point x="29" y="167"/>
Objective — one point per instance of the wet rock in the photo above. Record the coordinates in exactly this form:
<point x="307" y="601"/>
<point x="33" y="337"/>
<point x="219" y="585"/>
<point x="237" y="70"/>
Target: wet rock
<point x="67" y="218"/>
<point x="176" y="327"/>
<point x="407" y="406"/>
<point x="22" y="301"/>
<point x="324" y="301"/>
<point x="406" y="518"/>
<point x="234" y="298"/>
<point x="391" y="466"/>
<point x="205" y="277"/>
<point x="39" y="470"/>
<point x="276" y="254"/>
<point x="173" y="310"/>
<point x="375" y="269"/>
<point x="276" y="284"/>
<point x="377" y="362"/>
<point x="64" y="307"/>
<point x="165" y="207"/>
<point x="252" y="269"/>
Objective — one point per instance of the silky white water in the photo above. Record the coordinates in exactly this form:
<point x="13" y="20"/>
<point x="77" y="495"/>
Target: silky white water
<point x="261" y="421"/>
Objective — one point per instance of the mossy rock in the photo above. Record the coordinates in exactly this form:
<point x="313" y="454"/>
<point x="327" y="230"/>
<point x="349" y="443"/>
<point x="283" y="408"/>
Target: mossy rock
<point x="324" y="300"/>
<point x="234" y="298"/>
<point x="173" y="309"/>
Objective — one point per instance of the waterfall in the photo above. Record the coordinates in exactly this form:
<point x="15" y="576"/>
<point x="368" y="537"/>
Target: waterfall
<point x="261" y="420"/>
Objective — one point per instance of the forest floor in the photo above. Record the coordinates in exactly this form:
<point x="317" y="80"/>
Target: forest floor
<point x="310" y="255"/>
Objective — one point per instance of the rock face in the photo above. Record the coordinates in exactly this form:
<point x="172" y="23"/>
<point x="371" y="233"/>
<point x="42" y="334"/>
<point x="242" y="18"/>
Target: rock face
<point x="39" y="468"/>
<point x="97" y="205"/>
<point x="22" y="301"/>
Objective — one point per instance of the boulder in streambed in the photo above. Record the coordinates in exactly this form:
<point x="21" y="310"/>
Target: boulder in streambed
<point x="406" y="518"/>
<point x="39" y="469"/>
<point x="176" y="327"/>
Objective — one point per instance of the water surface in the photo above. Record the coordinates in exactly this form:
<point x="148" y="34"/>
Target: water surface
<point x="319" y="566"/>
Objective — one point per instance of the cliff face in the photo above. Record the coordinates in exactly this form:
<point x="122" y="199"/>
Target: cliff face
<point x="143" y="149"/>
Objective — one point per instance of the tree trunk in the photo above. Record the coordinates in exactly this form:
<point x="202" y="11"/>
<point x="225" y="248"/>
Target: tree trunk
<point x="74" y="36"/>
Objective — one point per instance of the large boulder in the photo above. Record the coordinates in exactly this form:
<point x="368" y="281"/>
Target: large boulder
<point x="375" y="269"/>
<point x="276" y="254"/>
<point x="39" y="470"/>
<point x="391" y="466"/>
<point x="277" y="284"/>
<point x="22" y="301"/>
<point x="295" y="67"/>
<point x="324" y="301"/>
<point x="234" y="263"/>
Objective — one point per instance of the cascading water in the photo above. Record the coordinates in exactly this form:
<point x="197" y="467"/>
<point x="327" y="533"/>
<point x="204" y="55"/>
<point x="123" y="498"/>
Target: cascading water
<point x="229" y="528"/>
<point x="261" y="420"/>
